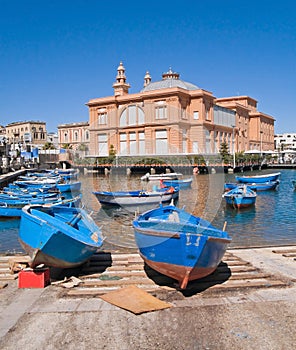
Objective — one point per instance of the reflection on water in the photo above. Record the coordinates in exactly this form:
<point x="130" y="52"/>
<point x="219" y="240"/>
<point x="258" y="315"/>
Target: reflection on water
<point x="272" y="221"/>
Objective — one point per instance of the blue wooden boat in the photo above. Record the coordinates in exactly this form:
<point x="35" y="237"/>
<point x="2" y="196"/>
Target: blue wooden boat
<point x="58" y="236"/>
<point x="13" y="207"/>
<point x="67" y="174"/>
<point x="136" y="198"/>
<point x="181" y="183"/>
<point x="258" y="178"/>
<point x="69" y="186"/>
<point x="179" y="244"/>
<point x="36" y="183"/>
<point x="42" y="188"/>
<point x="260" y="186"/>
<point x="240" y="197"/>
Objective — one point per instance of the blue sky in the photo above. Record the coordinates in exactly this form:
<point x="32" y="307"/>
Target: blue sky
<point x="55" y="55"/>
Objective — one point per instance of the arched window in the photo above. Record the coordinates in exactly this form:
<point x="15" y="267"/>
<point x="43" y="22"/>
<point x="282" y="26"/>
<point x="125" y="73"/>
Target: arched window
<point x="132" y="115"/>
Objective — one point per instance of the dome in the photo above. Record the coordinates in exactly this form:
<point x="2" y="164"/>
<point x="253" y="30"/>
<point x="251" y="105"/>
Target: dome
<point x="170" y="80"/>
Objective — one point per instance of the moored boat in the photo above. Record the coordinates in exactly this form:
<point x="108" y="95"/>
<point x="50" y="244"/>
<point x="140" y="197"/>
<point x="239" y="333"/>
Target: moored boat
<point x="69" y="186"/>
<point x="156" y="177"/>
<point x="179" y="244"/>
<point x="240" y="197"/>
<point x="258" y="178"/>
<point x="58" y="236"/>
<point x="180" y="183"/>
<point x="136" y="198"/>
<point x="13" y="207"/>
<point x="260" y="186"/>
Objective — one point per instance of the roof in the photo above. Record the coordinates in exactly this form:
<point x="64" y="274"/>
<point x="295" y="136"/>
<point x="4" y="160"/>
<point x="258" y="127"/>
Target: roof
<point x="170" y="80"/>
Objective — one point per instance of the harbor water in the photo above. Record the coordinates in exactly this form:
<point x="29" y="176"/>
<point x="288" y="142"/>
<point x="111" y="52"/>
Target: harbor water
<point x="271" y="222"/>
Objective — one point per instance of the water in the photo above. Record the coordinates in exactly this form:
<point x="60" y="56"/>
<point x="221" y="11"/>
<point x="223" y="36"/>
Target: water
<point x="271" y="222"/>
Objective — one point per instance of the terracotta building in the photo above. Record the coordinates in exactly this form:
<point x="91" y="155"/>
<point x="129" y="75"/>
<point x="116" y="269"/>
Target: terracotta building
<point x="73" y="135"/>
<point x="20" y="134"/>
<point x="172" y="116"/>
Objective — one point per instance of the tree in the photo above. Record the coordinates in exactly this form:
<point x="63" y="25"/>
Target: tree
<point x="82" y="147"/>
<point x="67" y="146"/>
<point x="48" y="145"/>
<point x="112" y="151"/>
<point x="224" y="152"/>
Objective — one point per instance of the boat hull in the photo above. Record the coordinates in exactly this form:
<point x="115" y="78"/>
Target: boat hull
<point x="258" y="178"/>
<point x="181" y="184"/>
<point x="50" y="241"/>
<point x="182" y="251"/>
<point x="69" y="187"/>
<point x="15" y="209"/>
<point x="135" y="198"/>
<point x="240" y="202"/>
<point x="182" y="274"/>
<point x="264" y="186"/>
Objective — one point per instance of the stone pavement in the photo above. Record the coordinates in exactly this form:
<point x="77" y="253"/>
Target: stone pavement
<point x="246" y="318"/>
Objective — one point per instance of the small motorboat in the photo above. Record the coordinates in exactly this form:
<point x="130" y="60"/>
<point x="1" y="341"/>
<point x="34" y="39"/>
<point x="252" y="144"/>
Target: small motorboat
<point x="240" y="197"/>
<point x="58" y="236"/>
<point x="179" y="244"/>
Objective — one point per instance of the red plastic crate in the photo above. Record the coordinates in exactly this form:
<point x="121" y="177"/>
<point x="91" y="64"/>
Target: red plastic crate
<point x="36" y="278"/>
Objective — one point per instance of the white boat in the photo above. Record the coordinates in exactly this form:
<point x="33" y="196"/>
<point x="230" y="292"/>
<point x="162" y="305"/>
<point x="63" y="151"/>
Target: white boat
<point x="136" y="198"/>
<point x="167" y="176"/>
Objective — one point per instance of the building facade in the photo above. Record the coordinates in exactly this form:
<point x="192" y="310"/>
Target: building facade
<point x="74" y="135"/>
<point x="285" y="141"/>
<point x="171" y="117"/>
<point x="27" y="133"/>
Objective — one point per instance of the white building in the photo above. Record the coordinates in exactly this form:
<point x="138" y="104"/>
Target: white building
<point x="286" y="141"/>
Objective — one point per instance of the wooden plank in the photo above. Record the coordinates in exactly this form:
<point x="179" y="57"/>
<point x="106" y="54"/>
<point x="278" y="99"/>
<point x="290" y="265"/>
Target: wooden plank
<point x="289" y="255"/>
<point x="250" y="283"/>
<point x="284" y="251"/>
<point x="94" y="292"/>
<point x="116" y="283"/>
<point x="122" y="274"/>
<point x="8" y="277"/>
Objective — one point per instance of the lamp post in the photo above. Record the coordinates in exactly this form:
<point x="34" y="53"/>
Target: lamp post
<point x="261" y="132"/>
<point x="233" y="148"/>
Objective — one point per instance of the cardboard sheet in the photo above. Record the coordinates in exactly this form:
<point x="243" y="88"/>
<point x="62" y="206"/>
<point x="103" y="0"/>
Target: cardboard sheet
<point x="135" y="300"/>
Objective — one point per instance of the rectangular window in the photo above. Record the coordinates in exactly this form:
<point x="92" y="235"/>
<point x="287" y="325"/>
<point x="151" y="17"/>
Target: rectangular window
<point x="196" y="115"/>
<point x="161" y="112"/>
<point x="195" y="147"/>
<point x="132" y="143"/>
<point x="141" y="143"/>
<point x="102" y="118"/>
<point x="103" y="145"/>
<point x="123" y="144"/>
<point x="184" y="141"/>
<point x="183" y="113"/>
<point x="161" y="142"/>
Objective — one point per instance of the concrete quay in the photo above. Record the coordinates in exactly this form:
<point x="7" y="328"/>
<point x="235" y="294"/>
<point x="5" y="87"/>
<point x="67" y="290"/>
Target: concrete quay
<point x="237" y="313"/>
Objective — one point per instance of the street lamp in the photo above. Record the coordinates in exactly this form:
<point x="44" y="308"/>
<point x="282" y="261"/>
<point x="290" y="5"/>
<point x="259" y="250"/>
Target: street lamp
<point x="261" y="132"/>
<point x="233" y="143"/>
